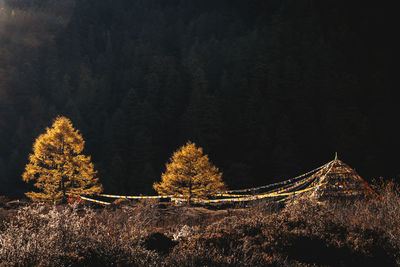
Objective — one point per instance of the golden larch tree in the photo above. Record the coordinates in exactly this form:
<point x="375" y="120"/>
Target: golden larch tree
<point x="57" y="165"/>
<point x="191" y="174"/>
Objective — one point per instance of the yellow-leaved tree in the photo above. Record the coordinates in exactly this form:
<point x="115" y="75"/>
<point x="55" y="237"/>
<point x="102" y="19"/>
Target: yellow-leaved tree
<point x="191" y="174"/>
<point x="57" y="166"/>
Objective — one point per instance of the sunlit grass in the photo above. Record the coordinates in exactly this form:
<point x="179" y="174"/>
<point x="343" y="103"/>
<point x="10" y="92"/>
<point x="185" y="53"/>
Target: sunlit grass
<point x="149" y="233"/>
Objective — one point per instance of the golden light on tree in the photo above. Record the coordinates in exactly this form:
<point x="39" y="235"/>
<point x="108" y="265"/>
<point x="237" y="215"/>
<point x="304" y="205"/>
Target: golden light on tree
<point x="191" y="174"/>
<point x="57" y="166"/>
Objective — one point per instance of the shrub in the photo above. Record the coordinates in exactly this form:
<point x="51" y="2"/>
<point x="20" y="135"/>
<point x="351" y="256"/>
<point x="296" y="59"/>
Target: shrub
<point x="65" y="235"/>
<point x="304" y="232"/>
<point x="363" y="232"/>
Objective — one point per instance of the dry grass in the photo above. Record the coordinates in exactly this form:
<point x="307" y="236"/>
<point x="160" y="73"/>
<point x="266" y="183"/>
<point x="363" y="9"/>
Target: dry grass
<point x="69" y="235"/>
<point x="148" y="233"/>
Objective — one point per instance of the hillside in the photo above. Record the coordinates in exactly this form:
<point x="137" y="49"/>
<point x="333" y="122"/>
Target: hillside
<point x="268" y="88"/>
<point x="149" y="233"/>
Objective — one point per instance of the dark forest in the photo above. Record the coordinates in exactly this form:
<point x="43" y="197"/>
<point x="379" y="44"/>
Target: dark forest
<point x="270" y="89"/>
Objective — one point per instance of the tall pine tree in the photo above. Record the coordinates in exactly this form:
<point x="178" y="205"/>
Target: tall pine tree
<point x="57" y="165"/>
<point x="191" y="174"/>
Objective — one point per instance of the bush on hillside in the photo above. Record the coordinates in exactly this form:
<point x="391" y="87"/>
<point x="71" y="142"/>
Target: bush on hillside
<point x="303" y="232"/>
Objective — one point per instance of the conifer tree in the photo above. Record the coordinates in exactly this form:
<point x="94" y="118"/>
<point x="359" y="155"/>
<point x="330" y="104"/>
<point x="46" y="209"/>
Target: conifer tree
<point x="191" y="174"/>
<point x="57" y="165"/>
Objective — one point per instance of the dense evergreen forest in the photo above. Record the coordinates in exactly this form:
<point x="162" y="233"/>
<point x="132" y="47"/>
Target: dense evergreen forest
<point x="269" y="88"/>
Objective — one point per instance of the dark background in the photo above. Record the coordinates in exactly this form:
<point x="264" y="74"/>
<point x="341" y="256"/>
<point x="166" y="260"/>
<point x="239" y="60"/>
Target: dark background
<point x="269" y="88"/>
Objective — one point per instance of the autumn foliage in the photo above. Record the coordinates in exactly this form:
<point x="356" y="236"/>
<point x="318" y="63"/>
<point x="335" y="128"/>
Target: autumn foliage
<point x="191" y="174"/>
<point x="57" y="165"/>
